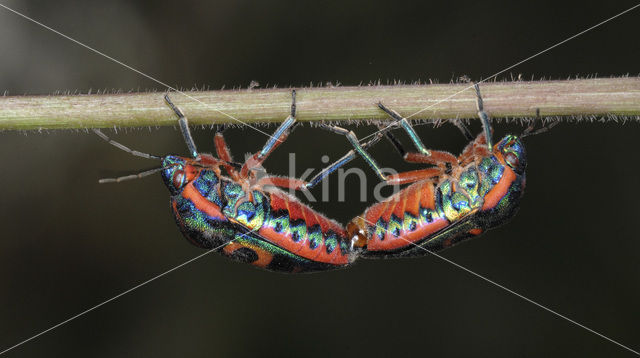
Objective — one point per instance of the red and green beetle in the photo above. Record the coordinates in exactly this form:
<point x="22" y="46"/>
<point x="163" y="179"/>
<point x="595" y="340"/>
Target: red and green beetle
<point x="245" y="216"/>
<point x="232" y="208"/>
<point x="454" y="199"/>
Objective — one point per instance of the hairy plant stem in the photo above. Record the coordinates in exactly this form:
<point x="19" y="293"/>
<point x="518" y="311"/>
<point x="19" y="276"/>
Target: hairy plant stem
<point x="605" y="97"/>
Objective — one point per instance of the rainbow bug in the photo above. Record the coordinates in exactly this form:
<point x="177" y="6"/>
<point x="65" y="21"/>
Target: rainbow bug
<point x="455" y="199"/>
<point x="220" y="204"/>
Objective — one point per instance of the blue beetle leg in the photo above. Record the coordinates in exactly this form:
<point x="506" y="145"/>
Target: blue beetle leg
<point x="359" y="149"/>
<point x="341" y="162"/>
<point x="330" y="169"/>
<point x="255" y="161"/>
<point x="282" y="132"/>
<point x="424" y="155"/>
<point x="404" y="123"/>
<point x="184" y="127"/>
<point x="484" y="117"/>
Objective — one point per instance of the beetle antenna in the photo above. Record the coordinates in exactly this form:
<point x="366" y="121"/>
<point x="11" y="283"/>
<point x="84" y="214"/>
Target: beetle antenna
<point x="131" y="176"/>
<point x="123" y="147"/>
<point x="529" y="131"/>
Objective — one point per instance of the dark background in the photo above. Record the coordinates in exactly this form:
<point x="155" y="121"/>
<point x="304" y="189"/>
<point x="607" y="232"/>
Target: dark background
<point x="69" y="243"/>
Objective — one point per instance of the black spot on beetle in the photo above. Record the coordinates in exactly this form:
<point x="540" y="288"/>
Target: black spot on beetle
<point x="429" y="217"/>
<point x="330" y="245"/>
<point x="244" y="255"/>
<point x="278" y="227"/>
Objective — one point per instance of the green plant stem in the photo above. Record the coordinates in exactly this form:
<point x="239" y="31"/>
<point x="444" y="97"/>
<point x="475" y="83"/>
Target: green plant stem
<point x="607" y="97"/>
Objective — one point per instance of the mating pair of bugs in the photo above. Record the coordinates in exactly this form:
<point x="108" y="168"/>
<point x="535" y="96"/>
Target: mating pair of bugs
<point x="236" y="210"/>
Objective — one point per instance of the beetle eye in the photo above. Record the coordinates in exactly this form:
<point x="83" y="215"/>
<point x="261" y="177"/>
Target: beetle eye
<point x="178" y="178"/>
<point x="511" y="159"/>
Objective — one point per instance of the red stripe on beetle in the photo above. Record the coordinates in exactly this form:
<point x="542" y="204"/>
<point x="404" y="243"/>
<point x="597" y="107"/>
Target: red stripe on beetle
<point x="496" y="193"/>
<point x="201" y="203"/>
<point x="301" y="248"/>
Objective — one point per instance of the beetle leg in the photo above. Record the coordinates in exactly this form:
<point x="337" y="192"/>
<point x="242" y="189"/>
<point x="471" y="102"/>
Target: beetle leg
<point x="484" y="117"/>
<point x="358" y="148"/>
<point x="404" y="123"/>
<point x="278" y="137"/>
<point x="184" y="127"/>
